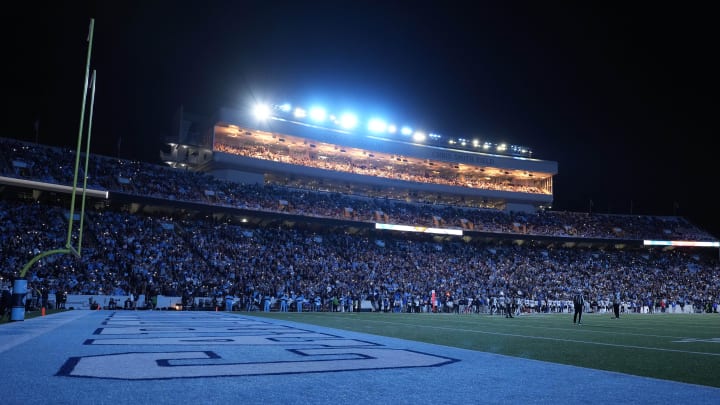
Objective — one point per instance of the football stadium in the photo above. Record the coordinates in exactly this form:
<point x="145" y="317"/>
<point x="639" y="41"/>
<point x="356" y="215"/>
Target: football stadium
<point x="356" y="260"/>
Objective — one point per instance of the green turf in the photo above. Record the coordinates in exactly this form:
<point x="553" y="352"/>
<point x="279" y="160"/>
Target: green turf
<point x="680" y="347"/>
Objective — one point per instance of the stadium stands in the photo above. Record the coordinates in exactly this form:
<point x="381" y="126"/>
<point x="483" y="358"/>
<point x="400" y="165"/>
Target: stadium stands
<point x="173" y="232"/>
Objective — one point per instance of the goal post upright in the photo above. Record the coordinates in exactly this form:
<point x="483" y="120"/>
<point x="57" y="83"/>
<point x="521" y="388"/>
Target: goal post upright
<point x="86" y="84"/>
<point x="78" y="251"/>
<point x="20" y="283"/>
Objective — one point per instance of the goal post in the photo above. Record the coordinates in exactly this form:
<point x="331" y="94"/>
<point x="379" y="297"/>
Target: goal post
<point x="20" y="284"/>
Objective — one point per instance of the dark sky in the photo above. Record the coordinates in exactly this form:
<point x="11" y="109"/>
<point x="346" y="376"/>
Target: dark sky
<point x="622" y="96"/>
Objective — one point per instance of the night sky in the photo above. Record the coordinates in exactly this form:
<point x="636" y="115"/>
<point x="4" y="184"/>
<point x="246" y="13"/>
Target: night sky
<point x="622" y="95"/>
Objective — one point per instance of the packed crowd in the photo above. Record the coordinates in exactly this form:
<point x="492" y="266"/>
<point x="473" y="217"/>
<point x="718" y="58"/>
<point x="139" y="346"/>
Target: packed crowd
<point x="53" y="165"/>
<point x="345" y="164"/>
<point x="192" y="257"/>
<point x="196" y="256"/>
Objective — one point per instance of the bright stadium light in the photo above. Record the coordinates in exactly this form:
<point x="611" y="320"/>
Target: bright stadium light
<point x="262" y="111"/>
<point x="348" y="121"/>
<point x="377" y="125"/>
<point x="300" y="113"/>
<point x="318" y="114"/>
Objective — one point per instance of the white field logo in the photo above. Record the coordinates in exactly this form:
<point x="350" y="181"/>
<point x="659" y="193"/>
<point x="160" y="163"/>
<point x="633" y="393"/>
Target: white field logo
<point x="224" y="346"/>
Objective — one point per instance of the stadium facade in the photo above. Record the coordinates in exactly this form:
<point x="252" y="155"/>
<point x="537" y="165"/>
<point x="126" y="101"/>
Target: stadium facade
<point x="235" y="145"/>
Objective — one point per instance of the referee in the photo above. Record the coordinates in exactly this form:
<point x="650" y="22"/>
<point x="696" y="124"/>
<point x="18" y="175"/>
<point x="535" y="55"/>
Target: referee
<point x="578" y="303"/>
<point x="616" y="304"/>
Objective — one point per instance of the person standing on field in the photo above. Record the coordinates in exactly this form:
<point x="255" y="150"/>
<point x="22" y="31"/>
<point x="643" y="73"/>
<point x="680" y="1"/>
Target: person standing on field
<point x="616" y="304"/>
<point x="506" y="304"/>
<point x="578" y="303"/>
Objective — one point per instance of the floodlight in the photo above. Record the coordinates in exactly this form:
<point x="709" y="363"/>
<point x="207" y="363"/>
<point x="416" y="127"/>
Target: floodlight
<point x="318" y="114"/>
<point x="262" y="111"/>
<point x="406" y="131"/>
<point x="392" y="129"/>
<point x="285" y="107"/>
<point x="419" y="136"/>
<point x="300" y="113"/>
<point x="377" y="125"/>
<point x="348" y="121"/>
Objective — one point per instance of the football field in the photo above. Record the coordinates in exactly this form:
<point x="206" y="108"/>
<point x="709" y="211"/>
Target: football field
<point x="79" y="357"/>
<point x="679" y="347"/>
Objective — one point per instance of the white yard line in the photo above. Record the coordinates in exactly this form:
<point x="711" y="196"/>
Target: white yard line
<point x="659" y="349"/>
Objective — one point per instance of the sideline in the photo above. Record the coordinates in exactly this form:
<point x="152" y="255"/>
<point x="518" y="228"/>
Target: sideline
<point x="15" y="333"/>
